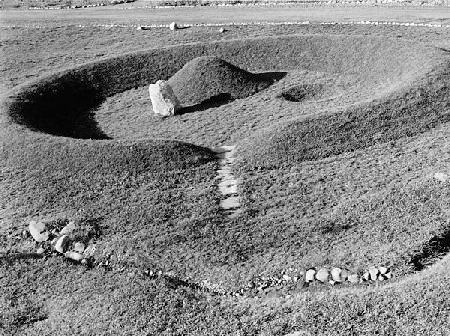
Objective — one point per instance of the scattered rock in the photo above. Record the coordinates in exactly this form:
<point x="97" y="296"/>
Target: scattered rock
<point x="164" y="101"/>
<point x="352" y="278"/>
<point x="74" y="255"/>
<point x="79" y="247"/>
<point x="173" y="26"/>
<point x="40" y="250"/>
<point x="388" y="275"/>
<point x="286" y="277"/>
<point x="322" y="275"/>
<point x="61" y="243"/>
<point x="309" y="276"/>
<point x="38" y="231"/>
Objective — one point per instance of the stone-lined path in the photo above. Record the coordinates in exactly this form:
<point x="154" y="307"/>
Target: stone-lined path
<point x="228" y="184"/>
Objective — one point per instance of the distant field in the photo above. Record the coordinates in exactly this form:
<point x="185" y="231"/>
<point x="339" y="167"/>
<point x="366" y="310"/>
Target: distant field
<point x="335" y="166"/>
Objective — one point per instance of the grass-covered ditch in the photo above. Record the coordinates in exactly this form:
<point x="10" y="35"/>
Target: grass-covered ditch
<point x="339" y="175"/>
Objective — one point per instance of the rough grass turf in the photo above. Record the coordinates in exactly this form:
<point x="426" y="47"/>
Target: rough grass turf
<point x="156" y="201"/>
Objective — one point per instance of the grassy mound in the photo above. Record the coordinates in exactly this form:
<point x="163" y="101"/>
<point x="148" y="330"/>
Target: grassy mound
<point x="209" y="77"/>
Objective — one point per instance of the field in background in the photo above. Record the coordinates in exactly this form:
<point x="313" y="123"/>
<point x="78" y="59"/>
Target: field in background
<point x="59" y="4"/>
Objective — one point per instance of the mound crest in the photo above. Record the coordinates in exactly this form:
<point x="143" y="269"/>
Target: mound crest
<point x="209" y="78"/>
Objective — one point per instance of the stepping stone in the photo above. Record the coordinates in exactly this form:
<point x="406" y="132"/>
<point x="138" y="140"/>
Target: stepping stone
<point x="230" y="203"/>
<point x="228" y="190"/>
<point x="441" y="177"/>
<point x="224" y="171"/>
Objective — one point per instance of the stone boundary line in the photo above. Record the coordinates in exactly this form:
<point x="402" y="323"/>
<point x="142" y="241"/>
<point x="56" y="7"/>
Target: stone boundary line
<point x="188" y="25"/>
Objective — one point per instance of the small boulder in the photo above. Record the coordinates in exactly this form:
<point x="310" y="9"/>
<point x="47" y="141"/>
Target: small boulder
<point x="61" y="243"/>
<point x="38" y="231"/>
<point x="322" y="275"/>
<point x="222" y="30"/>
<point x="40" y="250"/>
<point x="164" y="101"/>
<point x="309" y="276"/>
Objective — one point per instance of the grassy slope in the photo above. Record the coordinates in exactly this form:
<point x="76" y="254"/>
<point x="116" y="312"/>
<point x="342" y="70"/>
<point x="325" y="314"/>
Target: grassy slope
<point x="316" y="312"/>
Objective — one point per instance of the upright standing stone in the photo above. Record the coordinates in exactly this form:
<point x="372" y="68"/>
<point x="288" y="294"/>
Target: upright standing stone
<point x="164" y="101"/>
<point x="173" y="26"/>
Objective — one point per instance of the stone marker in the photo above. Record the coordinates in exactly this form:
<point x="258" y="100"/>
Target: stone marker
<point x="222" y="30"/>
<point x="173" y="26"/>
<point x="37" y="231"/>
<point x="309" y="276"/>
<point x="164" y="101"/>
<point x="322" y="275"/>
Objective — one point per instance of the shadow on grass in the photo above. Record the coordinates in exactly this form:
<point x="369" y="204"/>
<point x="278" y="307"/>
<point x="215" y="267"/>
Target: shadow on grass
<point x="436" y="247"/>
<point x="64" y="108"/>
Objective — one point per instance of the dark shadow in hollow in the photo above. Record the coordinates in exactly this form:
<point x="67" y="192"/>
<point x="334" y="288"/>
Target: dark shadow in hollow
<point x="436" y="247"/>
<point x="224" y="98"/>
<point x="215" y="101"/>
<point x="273" y="75"/>
<point x="62" y="107"/>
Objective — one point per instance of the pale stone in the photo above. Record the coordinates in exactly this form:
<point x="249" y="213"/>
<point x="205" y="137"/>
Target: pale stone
<point x="230" y="190"/>
<point x="322" y="275"/>
<point x="38" y="231"/>
<point x="89" y="251"/>
<point x="61" y="243"/>
<point x="365" y="276"/>
<point x="383" y="270"/>
<point x="309" y="276"/>
<point x="381" y="277"/>
<point x="388" y="275"/>
<point x="79" y="247"/>
<point x="173" y="26"/>
<point x="230" y="203"/>
<point x="164" y="101"/>
<point x="286" y="277"/>
<point x="344" y="274"/>
<point x="441" y="177"/>
<point x="222" y="30"/>
<point x="352" y="278"/>
<point x="373" y="273"/>
<point x="336" y="274"/>
<point x="74" y="255"/>
<point x="40" y="250"/>
<point x="69" y="228"/>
